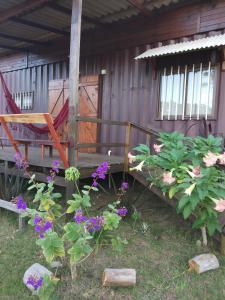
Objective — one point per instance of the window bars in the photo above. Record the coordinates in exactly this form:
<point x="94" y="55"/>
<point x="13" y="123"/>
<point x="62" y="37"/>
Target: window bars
<point x="24" y="100"/>
<point x="187" y="92"/>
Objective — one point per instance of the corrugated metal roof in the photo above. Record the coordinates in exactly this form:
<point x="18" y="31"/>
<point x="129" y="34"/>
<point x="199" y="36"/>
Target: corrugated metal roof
<point x="207" y="42"/>
<point x="104" y="11"/>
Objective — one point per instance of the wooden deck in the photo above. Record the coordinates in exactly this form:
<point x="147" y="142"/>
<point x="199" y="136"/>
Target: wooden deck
<point x="87" y="163"/>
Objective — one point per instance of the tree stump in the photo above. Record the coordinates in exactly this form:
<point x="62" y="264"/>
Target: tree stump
<point x="203" y="263"/>
<point x="119" y="277"/>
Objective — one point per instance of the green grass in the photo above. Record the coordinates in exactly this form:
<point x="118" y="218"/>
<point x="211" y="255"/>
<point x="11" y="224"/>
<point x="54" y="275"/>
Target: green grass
<point x="160" y="257"/>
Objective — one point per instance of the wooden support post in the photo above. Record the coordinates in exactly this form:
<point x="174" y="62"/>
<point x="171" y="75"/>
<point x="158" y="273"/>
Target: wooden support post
<point x="9" y="134"/>
<point x="127" y="146"/>
<point x="74" y="77"/>
<point x="74" y="67"/>
<point x="56" y="140"/>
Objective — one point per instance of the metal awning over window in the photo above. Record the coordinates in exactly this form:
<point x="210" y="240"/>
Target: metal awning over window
<point x="204" y="43"/>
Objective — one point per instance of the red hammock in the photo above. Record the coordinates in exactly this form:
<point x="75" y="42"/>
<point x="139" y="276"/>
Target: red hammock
<point x="61" y="117"/>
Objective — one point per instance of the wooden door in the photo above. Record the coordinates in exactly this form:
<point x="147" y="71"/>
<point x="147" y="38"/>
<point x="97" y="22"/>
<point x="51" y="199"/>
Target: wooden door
<point x="89" y="106"/>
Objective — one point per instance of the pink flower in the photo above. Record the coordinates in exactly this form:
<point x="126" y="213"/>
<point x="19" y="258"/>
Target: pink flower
<point x="131" y="158"/>
<point x="157" y="148"/>
<point x="196" y="171"/>
<point x="168" y="178"/>
<point x="222" y="159"/>
<point x="210" y="159"/>
<point x="220" y="205"/>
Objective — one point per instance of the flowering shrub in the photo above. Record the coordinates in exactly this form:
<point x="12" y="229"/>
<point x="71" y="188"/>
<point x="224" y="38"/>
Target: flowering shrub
<point x="75" y="240"/>
<point x="189" y="170"/>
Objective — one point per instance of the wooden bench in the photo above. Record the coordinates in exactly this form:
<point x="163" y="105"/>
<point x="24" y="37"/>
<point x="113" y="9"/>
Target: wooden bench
<point x="24" y="142"/>
<point x="49" y="144"/>
<point x="44" y="144"/>
<point x="35" y="118"/>
<point x="12" y="207"/>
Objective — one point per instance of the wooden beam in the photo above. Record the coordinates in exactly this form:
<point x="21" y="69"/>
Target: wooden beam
<point x="139" y="6"/>
<point x="40" y="26"/>
<point x="74" y="77"/>
<point x="60" y="8"/>
<point x="21" y="39"/>
<point x="20" y="9"/>
<point x="3" y="46"/>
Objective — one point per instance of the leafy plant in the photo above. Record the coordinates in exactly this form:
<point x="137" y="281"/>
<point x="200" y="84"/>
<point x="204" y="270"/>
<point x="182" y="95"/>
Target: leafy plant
<point x="71" y="233"/>
<point x="188" y="169"/>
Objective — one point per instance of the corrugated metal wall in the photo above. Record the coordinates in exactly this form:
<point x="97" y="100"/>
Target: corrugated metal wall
<point x="33" y="79"/>
<point x="130" y="93"/>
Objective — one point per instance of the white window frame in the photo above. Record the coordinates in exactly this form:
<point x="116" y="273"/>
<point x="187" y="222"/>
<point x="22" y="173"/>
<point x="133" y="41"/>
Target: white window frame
<point x="183" y="92"/>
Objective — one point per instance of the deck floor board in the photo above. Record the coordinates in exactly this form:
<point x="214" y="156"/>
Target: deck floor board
<point x="86" y="161"/>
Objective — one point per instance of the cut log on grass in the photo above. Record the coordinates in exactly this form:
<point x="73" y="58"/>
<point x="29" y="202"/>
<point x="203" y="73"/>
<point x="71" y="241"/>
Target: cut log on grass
<point x="119" y="277"/>
<point x="203" y="263"/>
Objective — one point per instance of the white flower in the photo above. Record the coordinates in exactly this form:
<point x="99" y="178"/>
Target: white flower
<point x="138" y="167"/>
<point x="109" y="152"/>
<point x="189" y="190"/>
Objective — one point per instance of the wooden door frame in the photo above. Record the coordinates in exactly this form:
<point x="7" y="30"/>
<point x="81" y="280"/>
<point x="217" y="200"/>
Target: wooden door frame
<point x="99" y="112"/>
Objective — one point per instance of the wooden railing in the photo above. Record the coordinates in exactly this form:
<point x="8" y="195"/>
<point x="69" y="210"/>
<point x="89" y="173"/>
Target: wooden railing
<point x="129" y="127"/>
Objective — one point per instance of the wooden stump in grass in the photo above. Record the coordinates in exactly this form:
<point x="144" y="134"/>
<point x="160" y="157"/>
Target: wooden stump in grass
<point x="119" y="277"/>
<point x="203" y="263"/>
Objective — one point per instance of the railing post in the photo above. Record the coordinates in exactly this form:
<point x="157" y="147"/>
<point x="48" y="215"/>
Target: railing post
<point x="127" y="146"/>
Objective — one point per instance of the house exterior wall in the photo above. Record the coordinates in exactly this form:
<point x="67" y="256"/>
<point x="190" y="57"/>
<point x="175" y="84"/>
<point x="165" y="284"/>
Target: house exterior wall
<point x="36" y="79"/>
<point x="129" y="86"/>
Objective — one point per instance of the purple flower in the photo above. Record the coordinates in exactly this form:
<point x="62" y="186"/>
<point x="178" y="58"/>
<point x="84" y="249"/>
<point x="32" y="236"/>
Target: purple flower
<point x="79" y="218"/>
<point x="37" y="219"/>
<point x="21" y="204"/>
<point x="94" y="224"/>
<point x="95" y="183"/>
<point x="20" y="162"/>
<point x="49" y="179"/>
<point x="47" y="226"/>
<point x="38" y="228"/>
<point x="122" y="211"/>
<point x="35" y="282"/>
<point x="41" y="226"/>
<point x="124" y="186"/>
<point x="55" y="166"/>
<point x="100" y="172"/>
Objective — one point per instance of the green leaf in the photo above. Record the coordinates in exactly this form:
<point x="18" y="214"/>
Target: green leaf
<point x="73" y="231"/>
<point x="86" y="201"/>
<point x="118" y="244"/>
<point x="85" y="192"/>
<point x="46" y="291"/>
<point x="56" y="195"/>
<point x="172" y="191"/>
<point x="187" y="211"/>
<point x="52" y="246"/>
<point x="73" y="205"/>
<point x="143" y="149"/>
<point x="212" y="226"/>
<point x="182" y="202"/>
<point x="79" y="250"/>
<point x="112" y="220"/>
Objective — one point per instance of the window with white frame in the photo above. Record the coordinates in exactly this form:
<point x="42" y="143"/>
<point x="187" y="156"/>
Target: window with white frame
<point x="24" y="100"/>
<point x="188" y="92"/>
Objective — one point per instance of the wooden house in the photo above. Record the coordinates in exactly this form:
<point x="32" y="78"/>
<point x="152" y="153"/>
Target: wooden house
<point x="139" y="63"/>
